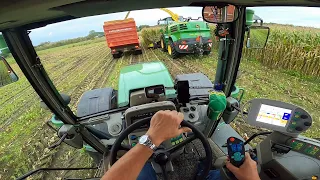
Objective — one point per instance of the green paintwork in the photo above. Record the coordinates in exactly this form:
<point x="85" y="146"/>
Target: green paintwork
<point x="249" y="17"/>
<point x="191" y="30"/>
<point x="56" y="122"/>
<point x="3" y="46"/>
<point x="142" y="75"/>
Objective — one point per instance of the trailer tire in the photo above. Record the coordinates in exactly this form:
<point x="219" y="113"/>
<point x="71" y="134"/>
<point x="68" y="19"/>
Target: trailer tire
<point x="116" y="56"/>
<point x="137" y="52"/>
<point x="206" y="52"/>
<point x="172" y="50"/>
<point x="162" y="44"/>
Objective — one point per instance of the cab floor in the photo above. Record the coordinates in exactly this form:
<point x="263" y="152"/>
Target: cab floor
<point x="185" y="166"/>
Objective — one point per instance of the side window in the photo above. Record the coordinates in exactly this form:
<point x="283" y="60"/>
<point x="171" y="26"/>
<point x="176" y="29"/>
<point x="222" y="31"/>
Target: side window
<point x="7" y="74"/>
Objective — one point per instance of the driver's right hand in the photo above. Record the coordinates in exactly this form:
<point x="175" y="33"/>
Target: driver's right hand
<point x="165" y="125"/>
<point x="247" y="171"/>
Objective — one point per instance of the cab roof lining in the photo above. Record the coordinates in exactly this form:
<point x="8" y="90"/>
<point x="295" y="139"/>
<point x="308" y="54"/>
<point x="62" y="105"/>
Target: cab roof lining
<point x="38" y="13"/>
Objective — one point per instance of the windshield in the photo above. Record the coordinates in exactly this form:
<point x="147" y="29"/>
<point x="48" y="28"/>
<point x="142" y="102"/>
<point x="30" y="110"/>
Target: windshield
<point x="79" y="57"/>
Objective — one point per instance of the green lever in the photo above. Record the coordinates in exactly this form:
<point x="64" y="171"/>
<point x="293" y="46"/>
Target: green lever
<point x="217" y="104"/>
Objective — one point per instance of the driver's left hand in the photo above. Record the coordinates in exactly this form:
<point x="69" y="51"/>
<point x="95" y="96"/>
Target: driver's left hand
<point x="165" y="125"/>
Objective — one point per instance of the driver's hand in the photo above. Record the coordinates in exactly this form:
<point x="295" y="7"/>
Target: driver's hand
<point x="247" y="171"/>
<point x="165" y="125"/>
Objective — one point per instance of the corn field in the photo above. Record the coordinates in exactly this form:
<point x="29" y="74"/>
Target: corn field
<point x="290" y="48"/>
<point x="150" y="35"/>
<point x="293" y="49"/>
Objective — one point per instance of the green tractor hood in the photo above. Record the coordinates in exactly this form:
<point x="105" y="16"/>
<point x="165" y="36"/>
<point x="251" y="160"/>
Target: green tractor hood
<point x="142" y="75"/>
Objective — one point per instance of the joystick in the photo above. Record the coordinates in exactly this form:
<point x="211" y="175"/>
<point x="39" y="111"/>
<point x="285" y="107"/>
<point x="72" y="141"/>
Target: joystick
<point x="236" y="151"/>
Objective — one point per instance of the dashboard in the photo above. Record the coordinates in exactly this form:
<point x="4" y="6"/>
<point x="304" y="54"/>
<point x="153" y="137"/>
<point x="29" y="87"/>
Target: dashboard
<point x="305" y="146"/>
<point x="193" y="113"/>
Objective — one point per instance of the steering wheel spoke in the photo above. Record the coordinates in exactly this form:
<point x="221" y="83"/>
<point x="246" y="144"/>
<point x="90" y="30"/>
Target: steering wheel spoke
<point x="125" y="147"/>
<point x="180" y="145"/>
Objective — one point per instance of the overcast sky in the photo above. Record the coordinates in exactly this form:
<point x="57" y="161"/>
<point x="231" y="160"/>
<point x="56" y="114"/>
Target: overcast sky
<point x="302" y="16"/>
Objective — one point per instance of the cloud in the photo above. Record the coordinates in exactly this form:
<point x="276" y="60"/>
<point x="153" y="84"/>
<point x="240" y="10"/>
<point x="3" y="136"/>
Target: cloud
<point x="302" y="16"/>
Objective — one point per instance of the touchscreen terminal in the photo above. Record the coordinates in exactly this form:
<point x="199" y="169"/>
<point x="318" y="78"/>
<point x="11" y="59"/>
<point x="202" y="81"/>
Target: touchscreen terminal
<point x="274" y="115"/>
<point x="278" y="116"/>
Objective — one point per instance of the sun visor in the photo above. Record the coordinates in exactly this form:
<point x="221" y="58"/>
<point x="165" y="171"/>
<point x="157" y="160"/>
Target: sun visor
<point x="98" y="7"/>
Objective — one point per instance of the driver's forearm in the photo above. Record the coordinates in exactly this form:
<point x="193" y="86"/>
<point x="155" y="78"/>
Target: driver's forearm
<point x="129" y="166"/>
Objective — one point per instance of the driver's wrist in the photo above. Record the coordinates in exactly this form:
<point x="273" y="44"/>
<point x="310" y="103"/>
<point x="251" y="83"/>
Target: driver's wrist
<point x="154" y="139"/>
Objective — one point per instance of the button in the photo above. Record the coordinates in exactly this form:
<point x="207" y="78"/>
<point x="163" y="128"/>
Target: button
<point x="296" y="116"/>
<point x="297" y="112"/>
<point x="133" y="144"/>
<point x="232" y="139"/>
<point x="192" y="108"/>
<point x="185" y="109"/>
<point x="307" y="123"/>
<point x="191" y="115"/>
<point x="293" y="123"/>
<point x="177" y="141"/>
<point x="299" y="128"/>
<point x="237" y="156"/>
<point x="303" y="116"/>
<point x="133" y="137"/>
<point x="292" y="126"/>
<point x="181" y="140"/>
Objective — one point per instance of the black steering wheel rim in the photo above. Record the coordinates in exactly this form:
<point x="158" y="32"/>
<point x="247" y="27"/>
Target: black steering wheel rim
<point x="198" y="134"/>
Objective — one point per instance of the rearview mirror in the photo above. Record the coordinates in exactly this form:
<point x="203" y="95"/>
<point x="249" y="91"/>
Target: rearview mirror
<point x="257" y="37"/>
<point x="220" y="14"/>
<point x="7" y="75"/>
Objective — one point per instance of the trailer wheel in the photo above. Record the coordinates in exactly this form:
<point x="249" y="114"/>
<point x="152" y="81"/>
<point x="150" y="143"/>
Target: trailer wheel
<point x="118" y="55"/>
<point x="172" y="51"/>
<point x="137" y="52"/>
<point x="162" y="44"/>
<point x="206" y="52"/>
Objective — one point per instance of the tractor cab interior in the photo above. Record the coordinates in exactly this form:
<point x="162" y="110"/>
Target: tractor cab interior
<point x="109" y="122"/>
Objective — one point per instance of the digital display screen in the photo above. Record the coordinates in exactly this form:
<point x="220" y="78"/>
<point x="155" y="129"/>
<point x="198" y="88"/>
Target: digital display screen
<point x="312" y="150"/>
<point x="274" y="115"/>
<point x="236" y="147"/>
<point x="155" y="91"/>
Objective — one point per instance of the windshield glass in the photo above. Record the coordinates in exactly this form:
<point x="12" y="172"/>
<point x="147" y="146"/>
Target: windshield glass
<point x="79" y="57"/>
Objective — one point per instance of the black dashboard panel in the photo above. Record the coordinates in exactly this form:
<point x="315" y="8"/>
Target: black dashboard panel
<point x="136" y="113"/>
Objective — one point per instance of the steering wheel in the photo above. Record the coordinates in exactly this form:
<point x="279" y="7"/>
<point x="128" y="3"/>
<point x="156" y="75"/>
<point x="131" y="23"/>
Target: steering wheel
<point x="162" y="156"/>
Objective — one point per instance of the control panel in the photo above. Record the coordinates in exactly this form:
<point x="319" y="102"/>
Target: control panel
<point x="278" y="116"/>
<point x="134" y="137"/>
<point x="190" y="112"/>
<point x="308" y="148"/>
